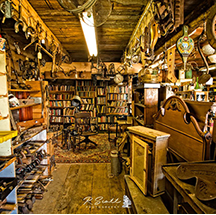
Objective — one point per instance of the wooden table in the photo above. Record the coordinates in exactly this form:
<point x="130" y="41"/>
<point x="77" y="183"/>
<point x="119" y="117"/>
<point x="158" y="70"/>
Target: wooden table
<point x="184" y="194"/>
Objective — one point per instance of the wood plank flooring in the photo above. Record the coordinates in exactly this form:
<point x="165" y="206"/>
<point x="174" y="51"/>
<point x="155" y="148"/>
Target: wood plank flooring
<point x="75" y="184"/>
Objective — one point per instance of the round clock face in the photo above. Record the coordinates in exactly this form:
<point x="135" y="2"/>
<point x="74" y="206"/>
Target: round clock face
<point x="118" y="78"/>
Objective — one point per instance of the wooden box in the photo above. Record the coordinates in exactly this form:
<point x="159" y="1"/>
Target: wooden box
<point x="147" y="173"/>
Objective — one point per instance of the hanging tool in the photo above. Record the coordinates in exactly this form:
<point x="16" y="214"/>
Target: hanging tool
<point x="164" y="16"/>
<point x="6" y="9"/>
<point x="205" y="76"/>
<point x="20" y="21"/>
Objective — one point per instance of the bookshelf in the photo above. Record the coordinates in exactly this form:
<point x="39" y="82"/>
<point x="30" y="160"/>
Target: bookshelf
<point x="145" y="104"/>
<point x="101" y="105"/>
<point x="86" y="91"/>
<point x="117" y="99"/>
<point x="104" y="101"/>
<point x="60" y="97"/>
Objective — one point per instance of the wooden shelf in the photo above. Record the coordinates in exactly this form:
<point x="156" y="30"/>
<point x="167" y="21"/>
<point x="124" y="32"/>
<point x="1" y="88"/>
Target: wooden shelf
<point x="117" y="99"/>
<point x="61" y="91"/>
<point x="55" y="107"/>
<point x="117" y="93"/>
<point x="56" y="122"/>
<point x="87" y="97"/>
<point x="24" y="106"/>
<point x="21" y="90"/>
<point x="85" y="91"/>
<point x="6" y="163"/>
<point x="101" y="95"/>
<point x="2" y="118"/>
<point x="30" y="173"/>
<point x="140" y="121"/>
<point x="20" y="143"/>
<point x="140" y="105"/>
<point x="4" y="95"/>
<point x="117" y="114"/>
<point x="60" y="99"/>
<point x="101" y="104"/>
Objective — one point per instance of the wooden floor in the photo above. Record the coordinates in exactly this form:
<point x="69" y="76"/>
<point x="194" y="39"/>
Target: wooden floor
<point x="75" y="184"/>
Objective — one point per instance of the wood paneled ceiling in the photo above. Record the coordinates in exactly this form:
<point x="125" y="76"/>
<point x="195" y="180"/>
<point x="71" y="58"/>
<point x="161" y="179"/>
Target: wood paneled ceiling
<point x="112" y="36"/>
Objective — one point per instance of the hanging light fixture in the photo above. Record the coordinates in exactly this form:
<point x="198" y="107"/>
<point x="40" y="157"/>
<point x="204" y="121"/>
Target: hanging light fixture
<point x="87" y="23"/>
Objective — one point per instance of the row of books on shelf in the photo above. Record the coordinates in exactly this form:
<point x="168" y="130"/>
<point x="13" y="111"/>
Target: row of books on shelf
<point x="56" y="119"/>
<point x="61" y="96"/>
<point x="61" y="88"/>
<point x="69" y="120"/>
<point x="102" y="127"/>
<point x="88" y="101"/>
<point x="69" y="111"/>
<point x="118" y="103"/>
<point x="86" y="94"/>
<point x="101" y="109"/>
<point x="117" y="89"/>
<point x="101" y="91"/>
<point x="117" y="96"/>
<point x="56" y="111"/>
<point x="101" y="100"/>
<point x="117" y="110"/>
<point x="60" y="103"/>
<point x="87" y="107"/>
<point x="86" y="88"/>
<point x="107" y="119"/>
<point x="84" y="83"/>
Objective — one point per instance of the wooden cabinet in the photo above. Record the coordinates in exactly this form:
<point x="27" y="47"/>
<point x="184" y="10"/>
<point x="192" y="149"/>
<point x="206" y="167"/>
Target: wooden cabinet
<point x="150" y="146"/>
<point x="145" y="104"/>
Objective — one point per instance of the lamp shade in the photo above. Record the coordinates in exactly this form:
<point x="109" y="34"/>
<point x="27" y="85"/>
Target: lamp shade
<point x="76" y="101"/>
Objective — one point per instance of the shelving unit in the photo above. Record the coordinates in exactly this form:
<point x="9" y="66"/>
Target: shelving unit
<point x="60" y="97"/>
<point x="87" y="92"/>
<point x="102" y="101"/>
<point x="145" y="104"/>
<point x="31" y="120"/>
<point x="117" y="98"/>
<point x="34" y="108"/>
<point x="7" y="160"/>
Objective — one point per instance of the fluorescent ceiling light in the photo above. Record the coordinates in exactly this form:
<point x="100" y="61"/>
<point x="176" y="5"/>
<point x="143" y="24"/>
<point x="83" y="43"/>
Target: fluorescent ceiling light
<point x="89" y="32"/>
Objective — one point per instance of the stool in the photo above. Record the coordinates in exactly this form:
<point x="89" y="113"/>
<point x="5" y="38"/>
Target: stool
<point x="113" y="128"/>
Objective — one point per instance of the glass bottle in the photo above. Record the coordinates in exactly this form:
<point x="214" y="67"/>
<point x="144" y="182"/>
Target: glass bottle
<point x="197" y="84"/>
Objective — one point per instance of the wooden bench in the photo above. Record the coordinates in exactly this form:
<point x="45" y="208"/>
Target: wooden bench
<point x="141" y="204"/>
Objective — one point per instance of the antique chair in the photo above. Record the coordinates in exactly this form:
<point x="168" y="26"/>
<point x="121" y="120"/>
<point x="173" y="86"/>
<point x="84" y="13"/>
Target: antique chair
<point x="85" y="126"/>
<point x="69" y="134"/>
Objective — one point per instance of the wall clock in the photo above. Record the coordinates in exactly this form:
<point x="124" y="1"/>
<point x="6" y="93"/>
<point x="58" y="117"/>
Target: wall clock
<point x="118" y="78"/>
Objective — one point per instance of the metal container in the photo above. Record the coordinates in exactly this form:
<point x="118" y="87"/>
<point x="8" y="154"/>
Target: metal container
<point x="115" y="163"/>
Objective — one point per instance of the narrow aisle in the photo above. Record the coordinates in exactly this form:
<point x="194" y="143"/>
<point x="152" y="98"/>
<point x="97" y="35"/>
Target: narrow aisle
<point x="75" y="185"/>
